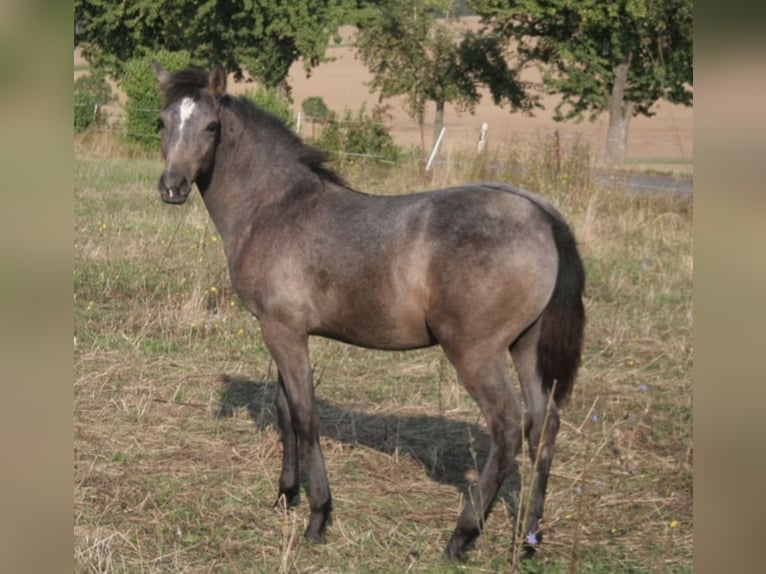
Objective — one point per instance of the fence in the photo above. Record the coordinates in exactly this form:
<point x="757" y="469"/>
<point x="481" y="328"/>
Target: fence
<point x="310" y="127"/>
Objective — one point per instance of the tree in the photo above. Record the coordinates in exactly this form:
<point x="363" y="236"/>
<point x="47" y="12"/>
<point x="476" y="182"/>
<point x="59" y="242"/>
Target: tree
<point x="260" y="37"/>
<point x="411" y="49"/>
<point x="616" y="56"/>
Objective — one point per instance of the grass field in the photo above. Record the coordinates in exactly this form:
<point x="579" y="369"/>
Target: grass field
<point x="176" y="449"/>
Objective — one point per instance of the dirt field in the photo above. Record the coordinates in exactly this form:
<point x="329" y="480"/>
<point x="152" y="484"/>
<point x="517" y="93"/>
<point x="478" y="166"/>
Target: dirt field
<point x="664" y="141"/>
<point x="342" y="83"/>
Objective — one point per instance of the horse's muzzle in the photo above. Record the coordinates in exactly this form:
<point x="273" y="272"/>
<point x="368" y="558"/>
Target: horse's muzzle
<point x="174" y="188"/>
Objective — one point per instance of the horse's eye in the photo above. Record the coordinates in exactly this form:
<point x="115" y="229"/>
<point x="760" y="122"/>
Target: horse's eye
<point x="212" y="127"/>
<point x="160" y="125"/>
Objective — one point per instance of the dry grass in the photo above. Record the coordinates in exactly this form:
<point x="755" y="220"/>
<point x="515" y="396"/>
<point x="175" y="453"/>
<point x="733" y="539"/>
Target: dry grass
<point x="176" y="449"/>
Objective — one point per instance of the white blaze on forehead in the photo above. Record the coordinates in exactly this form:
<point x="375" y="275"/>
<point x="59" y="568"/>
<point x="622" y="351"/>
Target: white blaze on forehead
<point x="185" y="111"/>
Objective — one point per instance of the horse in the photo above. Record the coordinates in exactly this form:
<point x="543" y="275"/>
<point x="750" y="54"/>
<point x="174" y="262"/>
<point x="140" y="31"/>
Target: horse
<point x="482" y="270"/>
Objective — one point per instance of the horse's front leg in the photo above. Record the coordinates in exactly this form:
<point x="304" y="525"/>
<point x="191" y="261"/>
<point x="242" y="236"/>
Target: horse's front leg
<point x="299" y="423"/>
<point x="289" y="485"/>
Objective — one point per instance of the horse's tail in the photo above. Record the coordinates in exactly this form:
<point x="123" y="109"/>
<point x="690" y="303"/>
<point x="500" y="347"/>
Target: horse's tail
<point x="562" y="323"/>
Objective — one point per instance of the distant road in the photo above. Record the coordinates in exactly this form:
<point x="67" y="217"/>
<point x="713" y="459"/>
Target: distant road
<point x="647" y="184"/>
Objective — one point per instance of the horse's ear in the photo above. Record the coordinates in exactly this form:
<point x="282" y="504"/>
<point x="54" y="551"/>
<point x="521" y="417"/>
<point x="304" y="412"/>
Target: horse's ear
<point x="160" y="73"/>
<point x="217" y="81"/>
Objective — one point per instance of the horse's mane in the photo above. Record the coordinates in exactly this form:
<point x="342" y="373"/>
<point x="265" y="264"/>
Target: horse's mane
<point x="188" y="83"/>
<point x="184" y="84"/>
<point x="272" y="128"/>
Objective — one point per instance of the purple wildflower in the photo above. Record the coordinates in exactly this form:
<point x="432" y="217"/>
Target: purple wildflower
<point x="643" y="388"/>
<point x="532" y="539"/>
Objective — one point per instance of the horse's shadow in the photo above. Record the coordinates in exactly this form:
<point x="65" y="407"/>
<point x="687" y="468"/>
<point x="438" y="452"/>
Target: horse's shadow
<point x="448" y="450"/>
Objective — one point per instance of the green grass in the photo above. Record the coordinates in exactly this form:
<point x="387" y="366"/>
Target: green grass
<point x="176" y="449"/>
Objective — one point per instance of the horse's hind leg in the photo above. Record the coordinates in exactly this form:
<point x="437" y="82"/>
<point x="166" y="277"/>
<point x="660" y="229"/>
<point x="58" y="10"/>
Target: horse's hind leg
<point x="488" y="382"/>
<point x="541" y="426"/>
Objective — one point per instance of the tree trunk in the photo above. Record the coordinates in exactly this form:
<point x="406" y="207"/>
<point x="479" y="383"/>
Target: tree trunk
<point x="283" y="90"/>
<point x="620" y="113"/>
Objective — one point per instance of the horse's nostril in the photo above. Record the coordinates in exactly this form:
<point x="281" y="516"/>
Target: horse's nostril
<point x="173" y="182"/>
<point x="174" y="187"/>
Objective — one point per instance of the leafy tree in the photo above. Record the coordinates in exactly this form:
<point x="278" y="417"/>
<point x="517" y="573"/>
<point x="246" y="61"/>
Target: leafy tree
<point x="617" y="56"/>
<point x="411" y="49"/>
<point x="260" y="37"/>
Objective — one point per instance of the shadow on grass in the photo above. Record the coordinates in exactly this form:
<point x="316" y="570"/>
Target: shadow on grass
<point x="446" y="449"/>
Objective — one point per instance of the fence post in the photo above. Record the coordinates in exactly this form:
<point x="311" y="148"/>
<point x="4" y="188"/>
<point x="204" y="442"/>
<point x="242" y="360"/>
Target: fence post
<point x="298" y="124"/>
<point x="436" y="148"/>
<point x="482" y="138"/>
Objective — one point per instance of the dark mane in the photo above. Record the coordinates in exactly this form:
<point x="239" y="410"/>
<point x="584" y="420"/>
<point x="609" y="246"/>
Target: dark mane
<point x="189" y="82"/>
<point x="185" y="84"/>
<point x="274" y="129"/>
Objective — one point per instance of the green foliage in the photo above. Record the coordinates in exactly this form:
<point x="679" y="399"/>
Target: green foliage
<point x="272" y="102"/>
<point x="90" y="90"/>
<point x="356" y="137"/>
<point x="411" y="50"/>
<point x="259" y="37"/>
<point x="315" y="107"/>
<point x="580" y="45"/>
<point x="485" y="63"/>
<point x="410" y="54"/>
<point x="144" y="98"/>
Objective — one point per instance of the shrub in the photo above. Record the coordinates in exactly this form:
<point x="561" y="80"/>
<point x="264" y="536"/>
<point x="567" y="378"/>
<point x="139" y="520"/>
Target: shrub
<point x="315" y="108"/>
<point x="90" y="90"/>
<point x="359" y="137"/>
<point x="273" y="103"/>
<point x="144" y="98"/>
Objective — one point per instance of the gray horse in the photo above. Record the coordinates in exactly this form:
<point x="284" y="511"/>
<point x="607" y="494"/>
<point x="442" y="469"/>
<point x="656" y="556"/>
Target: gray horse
<point x="480" y="269"/>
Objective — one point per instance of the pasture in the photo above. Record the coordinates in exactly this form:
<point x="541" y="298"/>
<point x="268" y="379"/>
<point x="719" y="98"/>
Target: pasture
<point x="177" y="452"/>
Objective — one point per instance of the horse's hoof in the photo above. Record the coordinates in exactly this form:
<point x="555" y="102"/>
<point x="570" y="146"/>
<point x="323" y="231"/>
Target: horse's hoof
<point x="287" y="500"/>
<point x="528" y="551"/>
<point x="531" y="543"/>
<point x="315" y="537"/>
<point x="458" y="546"/>
<point x="454" y="553"/>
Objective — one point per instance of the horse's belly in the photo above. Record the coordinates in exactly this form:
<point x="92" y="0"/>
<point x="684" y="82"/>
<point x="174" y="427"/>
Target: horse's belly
<point x="382" y="330"/>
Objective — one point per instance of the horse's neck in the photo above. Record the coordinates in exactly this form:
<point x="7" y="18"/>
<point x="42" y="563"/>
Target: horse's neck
<point x="226" y="189"/>
<point x="240" y="188"/>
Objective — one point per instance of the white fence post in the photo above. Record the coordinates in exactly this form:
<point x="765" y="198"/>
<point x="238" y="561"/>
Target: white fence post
<point x="482" y="138"/>
<point x="436" y="148"/>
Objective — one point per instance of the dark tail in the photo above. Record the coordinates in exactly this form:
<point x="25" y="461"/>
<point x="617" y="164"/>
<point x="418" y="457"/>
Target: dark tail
<point x="561" y="331"/>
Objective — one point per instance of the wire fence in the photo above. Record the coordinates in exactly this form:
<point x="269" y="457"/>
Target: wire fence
<point x="105" y="120"/>
<point x="112" y="118"/>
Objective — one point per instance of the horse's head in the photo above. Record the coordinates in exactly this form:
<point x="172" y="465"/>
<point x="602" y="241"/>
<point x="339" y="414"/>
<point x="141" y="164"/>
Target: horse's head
<point x="189" y="127"/>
